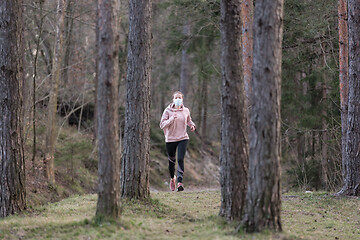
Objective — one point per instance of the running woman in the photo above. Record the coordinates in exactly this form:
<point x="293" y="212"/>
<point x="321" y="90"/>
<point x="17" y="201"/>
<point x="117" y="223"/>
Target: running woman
<point x="174" y="121"/>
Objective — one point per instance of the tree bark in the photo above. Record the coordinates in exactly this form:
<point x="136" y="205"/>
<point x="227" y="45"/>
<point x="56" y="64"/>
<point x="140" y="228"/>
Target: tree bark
<point x="352" y="156"/>
<point x="234" y="145"/>
<point x="247" y="14"/>
<point x="12" y="162"/>
<point x="185" y="66"/>
<point x="135" y="168"/>
<point x="107" y="112"/>
<point x="263" y="200"/>
<point x="52" y="109"/>
<point x="343" y="76"/>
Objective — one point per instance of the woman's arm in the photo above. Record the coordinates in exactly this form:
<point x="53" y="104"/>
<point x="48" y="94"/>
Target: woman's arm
<point x="166" y="120"/>
<point x="190" y="123"/>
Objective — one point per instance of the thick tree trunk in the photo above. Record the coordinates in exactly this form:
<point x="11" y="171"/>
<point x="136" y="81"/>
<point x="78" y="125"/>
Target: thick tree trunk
<point x="185" y="65"/>
<point x="135" y="168"/>
<point x="234" y="145"/>
<point x="52" y="109"/>
<point x="263" y="200"/>
<point x="107" y="112"/>
<point x="247" y="14"/>
<point x="12" y="163"/>
<point x="352" y="156"/>
<point x="343" y="76"/>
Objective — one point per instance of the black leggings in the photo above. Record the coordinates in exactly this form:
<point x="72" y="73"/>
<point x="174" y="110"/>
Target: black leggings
<point x="171" y="150"/>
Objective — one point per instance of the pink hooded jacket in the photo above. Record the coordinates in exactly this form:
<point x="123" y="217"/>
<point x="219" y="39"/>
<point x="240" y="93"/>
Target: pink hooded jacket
<point x="175" y="129"/>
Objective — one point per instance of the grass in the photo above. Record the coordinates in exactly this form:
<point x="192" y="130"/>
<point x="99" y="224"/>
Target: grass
<point x="186" y="215"/>
<point x="322" y="215"/>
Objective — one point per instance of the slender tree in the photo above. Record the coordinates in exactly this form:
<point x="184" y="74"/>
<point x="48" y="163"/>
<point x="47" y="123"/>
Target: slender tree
<point x="12" y="163"/>
<point x="324" y="134"/>
<point x="352" y="156"/>
<point x="343" y="77"/>
<point x="204" y="103"/>
<point x="96" y="74"/>
<point x="234" y="145"/>
<point x="107" y="110"/>
<point x="135" y="164"/>
<point x="55" y="79"/>
<point x="185" y="64"/>
<point x="68" y="39"/>
<point x="263" y="194"/>
<point x="35" y="75"/>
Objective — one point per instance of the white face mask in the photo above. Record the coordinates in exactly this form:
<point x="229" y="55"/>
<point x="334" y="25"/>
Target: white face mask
<point x="177" y="102"/>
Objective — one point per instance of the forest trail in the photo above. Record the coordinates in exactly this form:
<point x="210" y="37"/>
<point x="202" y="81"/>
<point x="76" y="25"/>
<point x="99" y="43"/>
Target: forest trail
<point x="192" y="214"/>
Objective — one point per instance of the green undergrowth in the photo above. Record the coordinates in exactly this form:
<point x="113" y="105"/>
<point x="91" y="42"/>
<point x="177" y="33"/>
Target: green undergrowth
<point x="75" y="166"/>
<point x="185" y="215"/>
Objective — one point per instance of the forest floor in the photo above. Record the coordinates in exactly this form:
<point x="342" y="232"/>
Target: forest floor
<point x="192" y="214"/>
<point x="76" y="165"/>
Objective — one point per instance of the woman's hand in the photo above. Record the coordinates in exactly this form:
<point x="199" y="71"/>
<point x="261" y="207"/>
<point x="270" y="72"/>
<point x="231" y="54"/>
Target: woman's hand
<point x="192" y="128"/>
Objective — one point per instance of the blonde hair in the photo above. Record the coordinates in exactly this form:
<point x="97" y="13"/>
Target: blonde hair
<point x="178" y="92"/>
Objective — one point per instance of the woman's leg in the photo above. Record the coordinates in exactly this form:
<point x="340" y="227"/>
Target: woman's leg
<point x="171" y="150"/>
<point x="181" y="154"/>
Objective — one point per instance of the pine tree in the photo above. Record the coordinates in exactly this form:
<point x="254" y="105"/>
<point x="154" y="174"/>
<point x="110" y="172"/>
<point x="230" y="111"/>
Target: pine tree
<point x="12" y="162"/>
<point x="108" y="204"/>
<point x="135" y="164"/>
<point x="352" y="152"/>
<point x="234" y="133"/>
<point x="263" y="200"/>
<point x="343" y="76"/>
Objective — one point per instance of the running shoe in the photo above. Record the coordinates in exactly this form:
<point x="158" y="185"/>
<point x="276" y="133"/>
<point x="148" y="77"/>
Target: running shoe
<point x="180" y="187"/>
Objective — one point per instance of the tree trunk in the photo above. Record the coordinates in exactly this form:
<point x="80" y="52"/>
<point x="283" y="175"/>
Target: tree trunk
<point x="46" y="54"/>
<point x="185" y="66"/>
<point x="12" y="162"/>
<point x="301" y="145"/>
<point x="352" y="157"/>
<point x="247" y="14"/>
<point x="69" y="25"/>
<point x="343" y="77"/>
<point x="52" y="109"/>
<point x="135" y="168"/>
<point x="107" y="112"/>
<point x="234" y="145"/>
<point x="204" y="97"/>
<point x="324" y="142"/>
<point x="200" y="99"/>
<point x="34" y="87"/>
<point x="96" y="76"/>
<point x="263" y="200"/>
